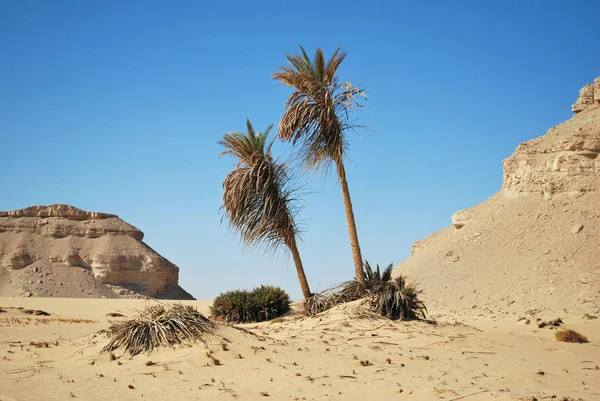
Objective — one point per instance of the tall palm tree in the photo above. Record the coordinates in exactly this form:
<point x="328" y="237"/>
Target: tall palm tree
<point x="317" y="118"/>
<point x="258" y="198"/>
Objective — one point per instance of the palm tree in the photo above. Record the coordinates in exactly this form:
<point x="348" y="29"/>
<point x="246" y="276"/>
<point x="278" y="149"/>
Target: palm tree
<point x="317" y="117"/>
<point x="258" y="198"/>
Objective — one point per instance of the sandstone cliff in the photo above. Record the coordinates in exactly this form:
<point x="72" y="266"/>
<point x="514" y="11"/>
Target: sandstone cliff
<point x="533" y="246"/>
<point x="60" y="250"/>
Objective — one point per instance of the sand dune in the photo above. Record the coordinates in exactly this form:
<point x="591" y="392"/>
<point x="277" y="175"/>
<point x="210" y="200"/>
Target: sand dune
<point x="320" y="358"/>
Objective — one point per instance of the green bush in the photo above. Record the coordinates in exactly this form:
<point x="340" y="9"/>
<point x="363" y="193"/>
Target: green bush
<point x="374" y="278"/>
<point x="232" y="306"/>
<point x="262" y="303"/>
<point x="269" y="302"/>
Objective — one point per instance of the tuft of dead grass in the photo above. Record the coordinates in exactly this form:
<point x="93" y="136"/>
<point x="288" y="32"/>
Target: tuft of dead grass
<point x="159" y="326"/>
<point x="570" y="336"/>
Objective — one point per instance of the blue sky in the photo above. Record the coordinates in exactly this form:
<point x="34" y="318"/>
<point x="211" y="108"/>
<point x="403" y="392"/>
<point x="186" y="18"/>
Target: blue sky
<point x="117" y="107"/>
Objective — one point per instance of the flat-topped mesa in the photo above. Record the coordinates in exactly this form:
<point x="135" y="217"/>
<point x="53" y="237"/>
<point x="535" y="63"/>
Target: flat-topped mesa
<point x="589" y="96"/>
<point x="61" y="221"/>
<point x="65" y="211"/>
<point x="565" y="160"/>
<point x="66" y="241"/>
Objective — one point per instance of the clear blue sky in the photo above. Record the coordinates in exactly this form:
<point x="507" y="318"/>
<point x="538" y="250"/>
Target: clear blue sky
<point x="116" y="106"/>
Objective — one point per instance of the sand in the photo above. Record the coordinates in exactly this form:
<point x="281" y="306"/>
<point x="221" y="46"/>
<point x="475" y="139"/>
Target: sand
<point x="319" y="358"/>
<point x="515" y="256"/>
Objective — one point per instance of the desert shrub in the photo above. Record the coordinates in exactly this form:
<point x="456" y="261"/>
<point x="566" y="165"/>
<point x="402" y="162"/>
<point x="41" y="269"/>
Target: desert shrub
<point x="262" y="303"/>
<point x="570" y="336"/>
<point x="269" y="302"/>
<point x="232" y="306"/>
<point x="159" y="326"/>
<point x="395" y="300"/>
<point x="391" y="298"/>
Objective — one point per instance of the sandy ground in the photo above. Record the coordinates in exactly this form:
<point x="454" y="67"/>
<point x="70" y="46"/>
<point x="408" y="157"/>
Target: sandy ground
<point x="318" y="358"/>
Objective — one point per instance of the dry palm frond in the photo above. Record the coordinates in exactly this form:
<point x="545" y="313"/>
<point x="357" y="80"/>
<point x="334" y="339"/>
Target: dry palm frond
<point x="339" y="294"/>
<point x="317" y="112"/>
<point x="159" y="326"/>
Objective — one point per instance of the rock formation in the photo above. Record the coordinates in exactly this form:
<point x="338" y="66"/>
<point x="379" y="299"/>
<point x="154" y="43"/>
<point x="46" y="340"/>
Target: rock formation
<point x="532" y="247"/>
<point x="61" y="238"/>
<point x="589" y="96"/>
<point x="565" y="159"/>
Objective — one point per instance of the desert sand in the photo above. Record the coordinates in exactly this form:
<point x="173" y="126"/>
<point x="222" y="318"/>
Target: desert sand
<point x="299" y="358"/>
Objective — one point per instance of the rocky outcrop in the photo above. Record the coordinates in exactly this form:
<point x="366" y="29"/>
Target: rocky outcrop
<point x="61" y="221"/>
<point x="460" y="218"/>
<point x="102" y="244"/>
<point x="64" y="211"/>
<point x="565" y="159"/>
<point x="589" y="96"/>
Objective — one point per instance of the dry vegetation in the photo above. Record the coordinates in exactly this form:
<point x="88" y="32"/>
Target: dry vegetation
<point x="159" y="326"/>
<point x="570" y="336"/>
<point x="389" y="297"/>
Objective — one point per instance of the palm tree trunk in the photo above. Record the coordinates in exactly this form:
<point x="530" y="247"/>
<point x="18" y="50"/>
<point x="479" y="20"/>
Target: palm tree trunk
<point x="291" y="243"/>
<point x="356" y="255"/>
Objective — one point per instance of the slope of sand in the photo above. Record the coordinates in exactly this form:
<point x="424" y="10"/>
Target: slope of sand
<point x="298" y="359"/>
<point x="515" y="257"/>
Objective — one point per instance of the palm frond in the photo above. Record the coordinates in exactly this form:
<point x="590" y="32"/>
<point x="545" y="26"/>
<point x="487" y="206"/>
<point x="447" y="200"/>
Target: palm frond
<point x="259" y="201"/>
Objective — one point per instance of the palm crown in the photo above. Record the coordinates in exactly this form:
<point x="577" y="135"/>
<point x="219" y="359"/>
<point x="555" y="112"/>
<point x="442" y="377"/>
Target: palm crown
<point x="258" y="200"/>
<point x="316" y="114"/>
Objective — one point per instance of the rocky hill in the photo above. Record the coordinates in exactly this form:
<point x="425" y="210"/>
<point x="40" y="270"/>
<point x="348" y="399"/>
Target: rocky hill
<point x="62" y="251"/>
<point x="532" y="248"/>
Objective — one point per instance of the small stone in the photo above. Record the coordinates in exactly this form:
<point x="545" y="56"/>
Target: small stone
<point x="576" y="228"/>
<point x="35" y="269"/>
<point x="40" y="282"/>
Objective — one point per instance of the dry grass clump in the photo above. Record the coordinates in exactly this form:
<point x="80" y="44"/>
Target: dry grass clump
<point x="159" y="326"/>
<point x="570" y="336"/>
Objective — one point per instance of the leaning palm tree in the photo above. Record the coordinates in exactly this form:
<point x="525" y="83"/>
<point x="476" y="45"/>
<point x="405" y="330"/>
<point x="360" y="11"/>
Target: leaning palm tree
<point x="258" y="198"/>
<point x="317" y="118"/>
